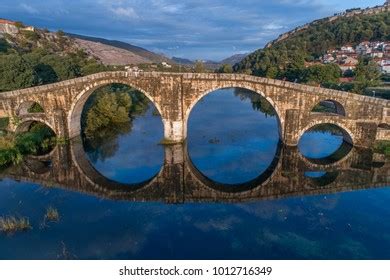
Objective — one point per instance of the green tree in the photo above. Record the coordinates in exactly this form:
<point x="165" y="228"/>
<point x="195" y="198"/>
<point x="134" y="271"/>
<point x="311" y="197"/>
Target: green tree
<point x="15" y="72"/>
<point x="107" y="109"/>
<point x="199" y="67"/>
<point x="320" y="74"/>
<point x="226" y="68"/>
<point x="367" y="75"/>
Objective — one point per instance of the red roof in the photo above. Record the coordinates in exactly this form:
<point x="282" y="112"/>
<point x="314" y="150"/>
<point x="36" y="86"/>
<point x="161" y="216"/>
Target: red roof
<point x="346" y="79"/>
<point x="6" y="21"/>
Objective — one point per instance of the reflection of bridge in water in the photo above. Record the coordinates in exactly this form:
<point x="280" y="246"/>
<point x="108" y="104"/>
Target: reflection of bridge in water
<point x="179" y="181"/>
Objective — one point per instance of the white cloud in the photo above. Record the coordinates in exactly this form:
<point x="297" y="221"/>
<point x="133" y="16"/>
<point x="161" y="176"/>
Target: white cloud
<point x="127" y="12"/>
<point x="169" y="8"/>
<point x="29" y="9"/>
<point x="272" y="26"/>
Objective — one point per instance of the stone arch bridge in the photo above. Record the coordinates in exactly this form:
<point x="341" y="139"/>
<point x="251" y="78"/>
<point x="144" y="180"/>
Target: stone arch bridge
<point x="363" y="119"/>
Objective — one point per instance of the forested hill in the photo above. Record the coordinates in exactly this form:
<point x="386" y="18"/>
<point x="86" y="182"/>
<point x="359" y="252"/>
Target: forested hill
<point x="286" y="58"/>
<point x="36" y="57"/>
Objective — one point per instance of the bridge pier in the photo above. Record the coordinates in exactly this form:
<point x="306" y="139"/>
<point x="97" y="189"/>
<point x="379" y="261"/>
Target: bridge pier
<point x="174" y="131"/>
<point x="291" y="127"/>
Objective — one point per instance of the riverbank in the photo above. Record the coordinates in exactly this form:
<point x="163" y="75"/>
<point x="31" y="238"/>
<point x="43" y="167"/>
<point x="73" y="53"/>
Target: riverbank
<point x="13" y="147"/>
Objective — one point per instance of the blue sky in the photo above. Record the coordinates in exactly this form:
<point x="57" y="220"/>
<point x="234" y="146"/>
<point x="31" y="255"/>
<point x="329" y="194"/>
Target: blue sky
<point x="196" y="29"/>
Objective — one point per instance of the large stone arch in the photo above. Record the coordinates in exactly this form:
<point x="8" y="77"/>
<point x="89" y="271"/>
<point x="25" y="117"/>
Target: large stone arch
<point x="348" y="132"/>
<point x="280" y="114"/>
<point x="74" y="115"/>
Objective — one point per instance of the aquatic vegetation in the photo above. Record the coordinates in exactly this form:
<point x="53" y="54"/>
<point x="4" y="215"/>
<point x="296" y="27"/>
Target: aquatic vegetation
<point x="214" y="140"/>
<point x="52" y="214"/>
<point x="13" y="224"/>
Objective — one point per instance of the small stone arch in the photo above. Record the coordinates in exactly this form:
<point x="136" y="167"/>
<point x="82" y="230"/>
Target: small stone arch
<point x="74" y="116"/>
<point x="26" y="124"/>
<point x="384" y="126"/>
<point x="29" y="107"/>
<point x="348" y="135"/>
<point x="383" y="132"/>
<point x="280" y="116"/>
<point x="329" y="106"/>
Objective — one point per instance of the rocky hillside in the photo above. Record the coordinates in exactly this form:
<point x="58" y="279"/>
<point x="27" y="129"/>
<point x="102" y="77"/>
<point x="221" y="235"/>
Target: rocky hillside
<point x="31" y="57"/>
<point x="237" y="58"/>
<point x="211" y="65"/>
<point x="26" y="38"/>
<point x="112" y="52"/>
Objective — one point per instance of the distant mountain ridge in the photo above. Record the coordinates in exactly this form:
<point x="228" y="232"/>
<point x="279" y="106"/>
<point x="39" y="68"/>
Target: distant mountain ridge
<point x="236" y="58"/>
<point x="133" y="55"/>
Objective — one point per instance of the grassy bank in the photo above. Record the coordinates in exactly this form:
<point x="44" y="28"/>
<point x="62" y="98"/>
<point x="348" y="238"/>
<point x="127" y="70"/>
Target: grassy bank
<point x="38" y="140"/>
<point x="383" y="147"/>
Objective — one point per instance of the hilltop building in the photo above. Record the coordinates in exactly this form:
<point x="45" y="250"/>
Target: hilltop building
<point x="12" y="27"/>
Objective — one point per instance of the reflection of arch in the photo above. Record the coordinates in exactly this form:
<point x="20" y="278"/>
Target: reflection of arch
<point x="348" y="136"/>
<point x="37" y="166"/>
<point x="324" y="178"/>
<point x="336" y="157"/>
<point x="45" y="157"/>
<point x="74" y="116"/>
<point x="236" y="188"/>
<point x="287" y="180"/>
<point x="26" y="106"/>
<point x="94" y="177"/>
<point x="329" y="106"/>
<point x="247" y="87"/>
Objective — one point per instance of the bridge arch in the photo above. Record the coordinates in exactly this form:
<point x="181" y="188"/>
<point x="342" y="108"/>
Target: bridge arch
<point x="331" y="106"/>
<point x="279" y="114"/>
<point x="26" y="107"/>
<point x="76" y="109"/>
<point x="26" y="123"/>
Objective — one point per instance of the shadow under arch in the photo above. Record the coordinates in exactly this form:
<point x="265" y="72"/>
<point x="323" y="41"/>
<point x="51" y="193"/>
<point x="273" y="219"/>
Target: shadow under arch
<point x="236" y="188"/>
<point x="98" y="180"/>
<point x="329" y="106"/>
<point x="384" y="126"/>
<point x="279" y="114"/>
<point x="76" y="109"/>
